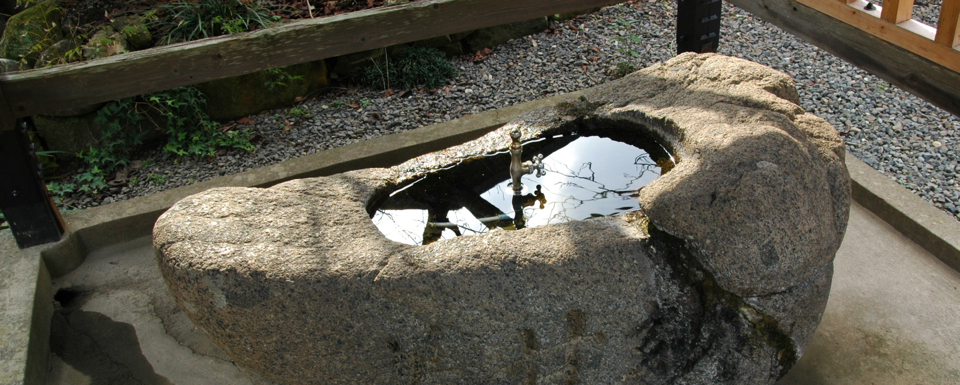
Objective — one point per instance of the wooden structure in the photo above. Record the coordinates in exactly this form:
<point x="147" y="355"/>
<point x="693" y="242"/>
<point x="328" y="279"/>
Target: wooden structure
<point x="885" y="41"/>
<point x="698" y="25"/>
<point x="916" y="57"/>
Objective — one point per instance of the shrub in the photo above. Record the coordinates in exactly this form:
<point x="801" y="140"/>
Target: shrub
<point x="177" y="112"/>
<point x="194" y="20"/>
<point x="414" y="67"/>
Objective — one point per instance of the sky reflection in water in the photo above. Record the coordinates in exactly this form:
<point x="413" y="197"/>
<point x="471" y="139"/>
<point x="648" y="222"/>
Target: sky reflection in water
<point x="589" y="177"/>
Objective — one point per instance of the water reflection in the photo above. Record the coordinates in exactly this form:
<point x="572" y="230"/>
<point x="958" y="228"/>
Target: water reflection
<point x="586" y="177"/>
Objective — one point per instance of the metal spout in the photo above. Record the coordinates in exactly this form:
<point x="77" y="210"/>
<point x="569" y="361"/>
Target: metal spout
<point x="519" y="168"/>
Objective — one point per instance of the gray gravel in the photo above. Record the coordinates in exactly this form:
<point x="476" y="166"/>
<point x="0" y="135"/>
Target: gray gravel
<point x="900" y="135"/>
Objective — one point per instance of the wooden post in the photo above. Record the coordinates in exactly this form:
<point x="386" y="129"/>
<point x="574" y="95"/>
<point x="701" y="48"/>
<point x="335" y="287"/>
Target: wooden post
<point x="698" y="25"/>
<point x="31" y="214"/>
<point x="897" y="11"/>
<point x="948" y="32"/>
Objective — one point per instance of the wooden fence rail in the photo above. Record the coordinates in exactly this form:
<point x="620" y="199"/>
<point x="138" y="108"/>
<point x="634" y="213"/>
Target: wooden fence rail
<point x="80" y="84"/>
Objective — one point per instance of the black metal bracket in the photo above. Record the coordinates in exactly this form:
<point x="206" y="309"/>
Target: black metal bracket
<point x="698" y="25"/>
<point x="24" y="201"/>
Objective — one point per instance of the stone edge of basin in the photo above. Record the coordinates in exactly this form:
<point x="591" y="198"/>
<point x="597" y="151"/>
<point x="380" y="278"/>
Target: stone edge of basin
<point x="99" y="227"/>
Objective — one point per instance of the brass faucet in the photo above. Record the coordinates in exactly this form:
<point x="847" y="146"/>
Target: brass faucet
<point x="519" y="168"/>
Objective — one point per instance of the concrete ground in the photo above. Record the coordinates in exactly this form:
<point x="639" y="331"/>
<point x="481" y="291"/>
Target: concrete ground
<point x="893" y="318"/>
<point x="117" y="324"/>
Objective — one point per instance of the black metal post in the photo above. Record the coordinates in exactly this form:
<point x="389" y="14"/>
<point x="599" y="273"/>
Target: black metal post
<point x="24" y="201"/>
<point x="698" y="25"/>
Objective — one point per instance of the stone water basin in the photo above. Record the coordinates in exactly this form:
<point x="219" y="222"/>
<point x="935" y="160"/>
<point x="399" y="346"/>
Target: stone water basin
<point x="723" y="280"/>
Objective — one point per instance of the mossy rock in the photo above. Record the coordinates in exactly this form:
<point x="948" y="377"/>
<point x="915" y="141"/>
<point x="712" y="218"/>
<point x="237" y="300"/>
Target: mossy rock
<point x="352" y="65"/>
<point x="573" y="14"/>
<point x="30" y="32"/>
<point x="493" y="36"/>
<point x="57" y="54"/>
<point x="105" y="43"/>
<point x="7" y="65"/>
<point x="134" y="30"/>
<point x="236" y="97"/>
<point x="70" y="135"/>
<point x="448" y="44"/>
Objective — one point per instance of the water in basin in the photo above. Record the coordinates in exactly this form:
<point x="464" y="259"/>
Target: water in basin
<point x="586" y="176"/>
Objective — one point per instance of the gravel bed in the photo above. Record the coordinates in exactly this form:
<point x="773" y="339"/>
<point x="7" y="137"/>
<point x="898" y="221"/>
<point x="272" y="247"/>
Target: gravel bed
<point x="900" y="135"/>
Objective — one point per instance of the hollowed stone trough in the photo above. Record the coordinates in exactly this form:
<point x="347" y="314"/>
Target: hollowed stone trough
<point x="723" y="282"/>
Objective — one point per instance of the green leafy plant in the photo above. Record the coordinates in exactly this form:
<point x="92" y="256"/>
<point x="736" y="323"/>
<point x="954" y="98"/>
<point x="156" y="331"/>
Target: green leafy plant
<point x="629" y="51"/>
<point x="414" y="67"/>
<point x="189" y="129"/>
<point x="134" y="181"/>
<point x="298" y="112"/>
<point x="177" y="112"/>
<point x="194" y="20"/>
<point x="623" y="68"/>
<point x="279" y="78"/>
<point x="156" y="179"/>
<point x="61" y="189"/>
<point x="3" y="226"/>
<point x="117" y="141"/>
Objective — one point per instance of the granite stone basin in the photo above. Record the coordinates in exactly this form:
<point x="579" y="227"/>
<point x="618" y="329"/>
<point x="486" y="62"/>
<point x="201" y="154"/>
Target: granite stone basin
<point x="723" y="280"/>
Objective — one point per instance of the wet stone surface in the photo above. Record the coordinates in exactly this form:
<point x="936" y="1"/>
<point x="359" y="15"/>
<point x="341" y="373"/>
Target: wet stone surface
<point x="723" y="281"/>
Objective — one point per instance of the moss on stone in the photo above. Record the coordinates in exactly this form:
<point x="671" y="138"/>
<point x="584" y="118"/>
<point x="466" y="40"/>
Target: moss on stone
<point x="236" y="97"/>
<point x="30" y="32"/>
<point x="578" y="109"/>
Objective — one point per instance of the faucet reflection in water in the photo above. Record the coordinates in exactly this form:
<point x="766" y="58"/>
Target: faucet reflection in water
<point x="518" y="169"/>
<point x="581" y="177"/>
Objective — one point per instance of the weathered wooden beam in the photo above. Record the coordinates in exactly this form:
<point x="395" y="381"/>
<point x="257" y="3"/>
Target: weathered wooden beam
<point x="897" y="11"/>
<point x="948" y="26"/>
<point x="160" y="68"/>
<point x="33" y="218"/>
<point x="911" y="35"/>
<point x="907" y="70"/>
<point x="8" y="120"/>
<point x="698" y="25"/>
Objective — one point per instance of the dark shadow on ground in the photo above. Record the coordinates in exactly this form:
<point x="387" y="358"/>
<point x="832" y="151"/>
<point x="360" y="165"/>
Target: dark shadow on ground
<point x="105" y="350"/>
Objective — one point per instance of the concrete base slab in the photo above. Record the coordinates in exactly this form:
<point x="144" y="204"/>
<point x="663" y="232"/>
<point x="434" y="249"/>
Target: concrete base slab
<point x="116" y="323"/>
<point x="892" y="319"/>
<point x="893" y="315"/>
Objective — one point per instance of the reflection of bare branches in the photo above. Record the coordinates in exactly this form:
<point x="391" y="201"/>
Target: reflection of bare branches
<point x="644" y="160"/>
<point x="400" y="226"/>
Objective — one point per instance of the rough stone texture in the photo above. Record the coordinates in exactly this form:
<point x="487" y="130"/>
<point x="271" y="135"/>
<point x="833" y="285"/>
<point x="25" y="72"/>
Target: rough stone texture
<point x="28" y="33"/>
<point x="493" y="36"/>
<point x="134" y="30"/>
<point x="297" y="285"/>
<point x="56" y="54"/>
<point x="105" y="43"/>
<point x="239" y="96"/>
<point x="7" y="65"/>
<point x="68" y="134"/>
